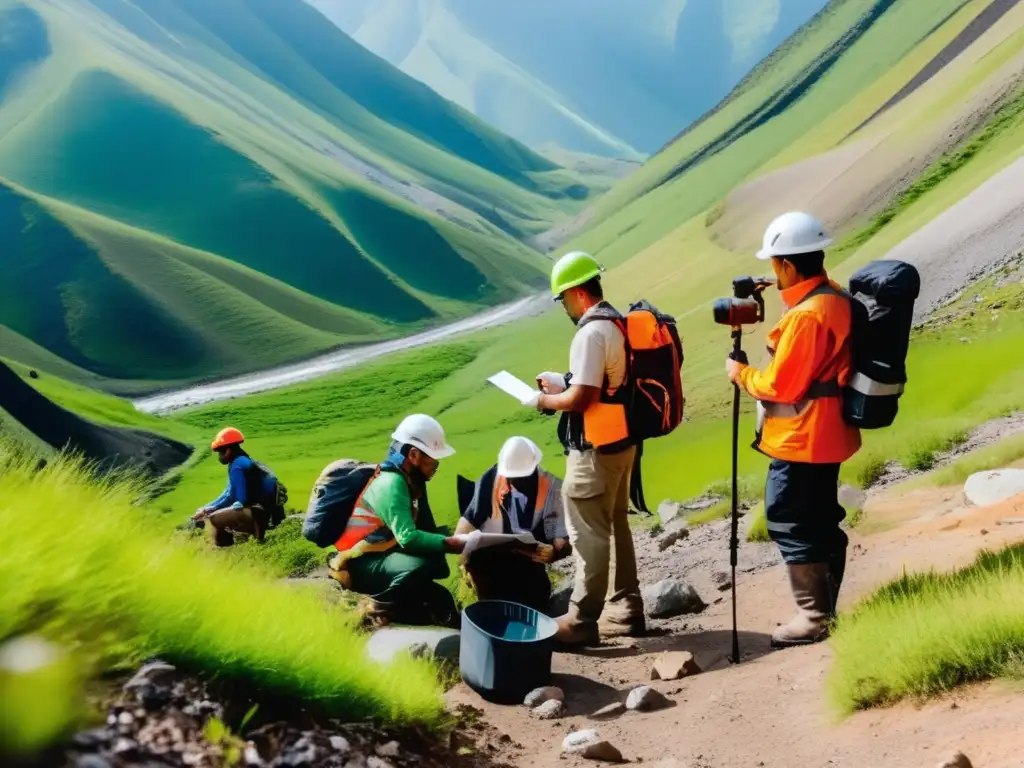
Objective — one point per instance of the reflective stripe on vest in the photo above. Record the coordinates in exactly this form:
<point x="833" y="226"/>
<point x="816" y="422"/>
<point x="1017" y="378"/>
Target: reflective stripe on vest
<point x="366" y="530"/>
<point x="502" y="486"/>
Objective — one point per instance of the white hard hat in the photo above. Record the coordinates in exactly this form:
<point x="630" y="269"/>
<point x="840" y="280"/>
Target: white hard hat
<point x="518" y="457"/>
<point x="425" y="433"/>
<point x="792" y="234"/>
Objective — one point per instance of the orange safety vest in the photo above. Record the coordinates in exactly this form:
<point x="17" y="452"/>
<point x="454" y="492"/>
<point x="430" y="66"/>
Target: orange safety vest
<point x="807" y="426"/>
<point x="502" y="487"/>
<point x="366" y="530"/>
<point x="604" y="424"/>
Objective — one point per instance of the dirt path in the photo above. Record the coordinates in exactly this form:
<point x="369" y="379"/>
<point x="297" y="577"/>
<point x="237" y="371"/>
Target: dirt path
<point x="771" y="710"/>
<point x="332" y="362"/>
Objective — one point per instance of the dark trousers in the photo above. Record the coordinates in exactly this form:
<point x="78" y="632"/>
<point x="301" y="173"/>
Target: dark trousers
<point x="802" y="507"/>
<point x="503" y="575"/>
<point x="405" y="584"/>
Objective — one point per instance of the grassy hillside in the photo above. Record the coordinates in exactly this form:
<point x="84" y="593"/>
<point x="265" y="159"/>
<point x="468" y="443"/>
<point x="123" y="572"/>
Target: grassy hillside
<point x="682" y="273"/>
<point x="247" y="183"/>
<point x="597" y="77"/>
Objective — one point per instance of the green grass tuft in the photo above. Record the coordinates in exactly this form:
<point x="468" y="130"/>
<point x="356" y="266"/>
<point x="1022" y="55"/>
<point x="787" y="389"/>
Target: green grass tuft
<point x="758" y="530"/>
<point x="91" y="575"/>
<point x="927" y="633"/>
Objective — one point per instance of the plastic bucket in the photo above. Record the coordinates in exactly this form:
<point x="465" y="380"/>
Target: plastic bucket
<point x="506" y="650"/>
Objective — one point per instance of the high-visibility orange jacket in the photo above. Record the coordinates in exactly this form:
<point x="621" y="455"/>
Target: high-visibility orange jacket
<point x="810" y="347"/>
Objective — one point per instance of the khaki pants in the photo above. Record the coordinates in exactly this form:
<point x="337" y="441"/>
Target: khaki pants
<point x="596" y="498"/>
<point x="224" y="523"/>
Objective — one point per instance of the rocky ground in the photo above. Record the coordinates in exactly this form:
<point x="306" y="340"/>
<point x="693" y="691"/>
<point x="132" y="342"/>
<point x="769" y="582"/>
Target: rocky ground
<point x="164" y="717"/>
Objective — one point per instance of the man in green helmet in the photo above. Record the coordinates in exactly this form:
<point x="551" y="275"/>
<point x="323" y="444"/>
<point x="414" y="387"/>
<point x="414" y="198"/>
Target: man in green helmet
<point x="593" y="429"/>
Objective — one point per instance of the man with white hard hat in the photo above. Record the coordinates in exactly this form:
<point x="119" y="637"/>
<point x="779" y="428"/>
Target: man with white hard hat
<point x="800" y="422"/>
<point x="516" y="496"/>
<point x="391" y="549"/>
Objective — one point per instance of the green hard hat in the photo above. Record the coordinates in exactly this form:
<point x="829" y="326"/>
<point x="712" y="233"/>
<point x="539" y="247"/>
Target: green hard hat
<point x="573" y="269"/>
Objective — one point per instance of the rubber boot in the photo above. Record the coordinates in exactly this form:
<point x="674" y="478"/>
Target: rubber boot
<point x="811" y="589"/>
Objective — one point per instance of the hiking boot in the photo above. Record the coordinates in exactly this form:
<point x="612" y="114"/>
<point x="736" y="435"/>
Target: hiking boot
<point x="811" y="588"/>
<point x="614" y="626"/>
<point x="573" y="633"/>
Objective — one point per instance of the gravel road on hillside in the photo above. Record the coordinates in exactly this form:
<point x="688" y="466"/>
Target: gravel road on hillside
<point x="332" y="362"/>
<point x="984" y="229"/>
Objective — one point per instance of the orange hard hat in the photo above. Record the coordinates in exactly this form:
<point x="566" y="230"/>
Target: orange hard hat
<point x="227" y="436"/>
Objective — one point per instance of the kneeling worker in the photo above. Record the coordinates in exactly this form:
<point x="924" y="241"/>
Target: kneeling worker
<point x="253" y="500"/>
<point x="801" y="424"/>
<point x="516" y="496"/>
<point x="391" y="550"/>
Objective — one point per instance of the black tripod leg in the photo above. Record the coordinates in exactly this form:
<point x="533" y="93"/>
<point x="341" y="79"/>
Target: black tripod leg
<point x="734" y="543"/>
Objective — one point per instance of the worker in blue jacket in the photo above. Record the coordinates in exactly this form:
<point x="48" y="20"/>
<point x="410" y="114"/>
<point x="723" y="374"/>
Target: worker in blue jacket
<point x="251" y="502"/>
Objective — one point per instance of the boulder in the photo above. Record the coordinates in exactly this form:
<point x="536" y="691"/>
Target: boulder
<point x="551" y="709"/>
<point x="674" y="665"/>
<point x="983" y="489"/>
<point x="669" y="511"/>
<point x="671" y="597"/>
<point x="432" y="642"/>
<point x="675" y="531"/>
<point x="643" y="698"/>
<point x="539" y="696"/>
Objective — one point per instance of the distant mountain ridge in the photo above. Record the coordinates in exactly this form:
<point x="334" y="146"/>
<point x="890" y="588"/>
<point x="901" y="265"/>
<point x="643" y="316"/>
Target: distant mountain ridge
<point x="605" y="77"/>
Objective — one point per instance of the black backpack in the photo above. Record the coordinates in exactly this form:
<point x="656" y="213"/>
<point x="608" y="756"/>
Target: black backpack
<point x="333" y="498"/>
<point x="883" y="295"/>
<point x="274" y="505"/>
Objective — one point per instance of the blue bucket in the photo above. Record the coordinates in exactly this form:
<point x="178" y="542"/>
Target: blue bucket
<point x="506" y="650"/>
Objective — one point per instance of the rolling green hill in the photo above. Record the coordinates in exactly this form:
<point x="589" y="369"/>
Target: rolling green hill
<point x="192" y="189"/>
<point x="603" y="77"/>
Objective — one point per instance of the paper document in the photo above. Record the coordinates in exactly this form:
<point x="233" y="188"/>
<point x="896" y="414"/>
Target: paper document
<point x="514" y="540"/>
<point x="510" y="385"/>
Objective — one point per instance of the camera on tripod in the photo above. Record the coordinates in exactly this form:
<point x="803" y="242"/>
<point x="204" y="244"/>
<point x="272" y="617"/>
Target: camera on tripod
<point x="747" y="305"/>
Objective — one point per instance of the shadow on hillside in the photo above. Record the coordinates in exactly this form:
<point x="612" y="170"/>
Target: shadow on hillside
<point x="108" y="448"/>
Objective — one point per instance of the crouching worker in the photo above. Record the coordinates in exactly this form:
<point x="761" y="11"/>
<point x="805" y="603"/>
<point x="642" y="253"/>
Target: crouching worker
<point x="801" y="424"/>
<point x="253" y="500"/>
<point x="391" y="550"/>
<point x="516" y="496"/>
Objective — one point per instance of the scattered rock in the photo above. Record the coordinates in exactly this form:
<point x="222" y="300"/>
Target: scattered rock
<point x="252" y="755"/>
<point x="1011" y="521"/>
<point x="983" y="489"/>
<point x="376" y="762"/>
<point x="391" y="749"/>
<point x="154" y="673"/>
<point x="92" y="761"/>
<point x="97" y="737"/>
<point x="669" y="511"/>
<point x="539" y="696"/>
<point x="851" y="497"/>
<point x="675" y="531"/>
<point x="671" y="597"/>
<point x="339" y="744"/>
<point x="552" y="709"/>
<point x="588" y="744"/>
<point x="643" y="698"/>
<point x="722" y="579"/>
<point x="609" y="711"/>
<point x="674" y="665"/>
<point x="302" y="752"/>
<point x="433" y="642"/>
<point x="956" y="760"/>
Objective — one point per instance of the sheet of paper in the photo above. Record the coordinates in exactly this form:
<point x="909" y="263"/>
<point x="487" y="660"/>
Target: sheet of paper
<point x="521" y="540"/>
<point x="510" y="385"/>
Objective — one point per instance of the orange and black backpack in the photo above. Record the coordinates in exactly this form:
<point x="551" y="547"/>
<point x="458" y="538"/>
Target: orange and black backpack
<point x="652" y="395"/>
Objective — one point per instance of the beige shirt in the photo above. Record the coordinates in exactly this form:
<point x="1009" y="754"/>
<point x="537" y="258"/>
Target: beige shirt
<point x="597" y="350"/>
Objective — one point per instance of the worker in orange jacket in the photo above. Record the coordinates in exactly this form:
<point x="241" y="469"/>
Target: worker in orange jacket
<point x="800" y="422"/>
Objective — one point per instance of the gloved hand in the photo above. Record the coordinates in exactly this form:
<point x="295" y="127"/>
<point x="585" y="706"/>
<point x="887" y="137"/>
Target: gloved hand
<point x="543" y="554"/>
<point x="551" y="383"/>
<point x="470" y="542"/>
<point x="531" y="402"/>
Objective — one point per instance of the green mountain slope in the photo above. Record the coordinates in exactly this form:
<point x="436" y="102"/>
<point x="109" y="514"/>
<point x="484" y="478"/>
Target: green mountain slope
<point x="597" y="76"/>
<point x="194" y="189"/>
